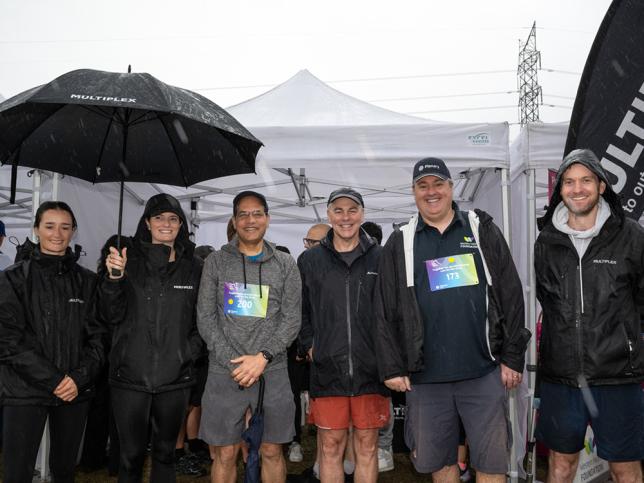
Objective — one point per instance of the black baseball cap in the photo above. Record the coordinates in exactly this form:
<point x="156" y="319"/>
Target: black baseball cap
<point x="2" y="232"/>
<point x="345" y="193"/>
<point x="244" y="194"/>
<point x="431" y="167"/>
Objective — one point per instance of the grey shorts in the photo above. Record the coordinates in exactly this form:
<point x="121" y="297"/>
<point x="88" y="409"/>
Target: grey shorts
<point x="432" y="429"/>
<point x="223" y="409"/>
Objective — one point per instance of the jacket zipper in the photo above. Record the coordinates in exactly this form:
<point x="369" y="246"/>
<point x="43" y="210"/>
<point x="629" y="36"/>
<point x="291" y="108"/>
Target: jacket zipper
<point x="578" y="326"/>
<point x="348" y="293"/>
<point x="158" y="332"/>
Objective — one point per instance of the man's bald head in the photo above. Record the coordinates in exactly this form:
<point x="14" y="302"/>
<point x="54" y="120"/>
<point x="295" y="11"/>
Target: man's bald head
<point x="315" y="234"/>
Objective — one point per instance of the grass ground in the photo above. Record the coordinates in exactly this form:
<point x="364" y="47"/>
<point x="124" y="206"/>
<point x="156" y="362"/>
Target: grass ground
<point x="403" y="472"/>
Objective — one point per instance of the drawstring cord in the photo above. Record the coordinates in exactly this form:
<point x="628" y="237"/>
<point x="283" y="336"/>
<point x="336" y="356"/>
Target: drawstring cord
<point x="260" y="274"/>
<point x="244" y="268"/>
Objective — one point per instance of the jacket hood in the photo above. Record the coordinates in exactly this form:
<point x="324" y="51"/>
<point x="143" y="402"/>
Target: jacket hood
<point x="268" y="252"/>
<point x="587" y="158"/>
<point x="161" y="203"/>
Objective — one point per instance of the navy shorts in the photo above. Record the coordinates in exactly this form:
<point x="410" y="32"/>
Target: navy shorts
<point x="618" y="424"/>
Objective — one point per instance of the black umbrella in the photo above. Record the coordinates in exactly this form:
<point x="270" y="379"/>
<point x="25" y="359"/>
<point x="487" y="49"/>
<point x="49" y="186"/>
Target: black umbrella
<point x="253" y="437"/>
<point x="106" y="126"/>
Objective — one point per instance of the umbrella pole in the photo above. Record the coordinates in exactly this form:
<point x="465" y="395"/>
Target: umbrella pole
<point x="115" y="271"/>
<point x="124" y="174"/>
<point x="120" y="224"/>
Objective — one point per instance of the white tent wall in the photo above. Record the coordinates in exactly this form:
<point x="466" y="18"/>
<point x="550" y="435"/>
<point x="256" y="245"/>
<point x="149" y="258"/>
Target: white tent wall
<point x="96" y="210"/>
<point x="538" y="147"/>
<point x="18" y="218"/>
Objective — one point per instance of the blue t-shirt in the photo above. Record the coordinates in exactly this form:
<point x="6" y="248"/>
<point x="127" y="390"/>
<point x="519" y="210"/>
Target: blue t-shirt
<point x="454" y="313"/>
<point x="256" y="258"/>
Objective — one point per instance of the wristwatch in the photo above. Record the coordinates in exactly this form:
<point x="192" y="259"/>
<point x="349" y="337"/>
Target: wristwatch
<point x="267" y="355"/>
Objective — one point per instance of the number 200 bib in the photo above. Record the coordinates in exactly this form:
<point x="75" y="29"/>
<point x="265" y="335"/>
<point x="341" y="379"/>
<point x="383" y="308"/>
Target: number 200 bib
<point x="245" y="302"/>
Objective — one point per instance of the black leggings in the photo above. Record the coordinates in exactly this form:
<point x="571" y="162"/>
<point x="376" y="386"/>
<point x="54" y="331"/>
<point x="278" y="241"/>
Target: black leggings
<point x="141" y="416"/>
<point x="22" y="433"/>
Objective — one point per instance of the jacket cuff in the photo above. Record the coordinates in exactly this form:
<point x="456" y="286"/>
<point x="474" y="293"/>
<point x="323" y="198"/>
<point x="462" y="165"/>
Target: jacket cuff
<point x="395" y="374"/>
<point x="55" y="381"/>
<point x="516" y="364"/>
<point x="79" y="379"/>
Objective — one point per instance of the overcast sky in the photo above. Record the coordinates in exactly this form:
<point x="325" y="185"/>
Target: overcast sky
<point x="397" y="54"/>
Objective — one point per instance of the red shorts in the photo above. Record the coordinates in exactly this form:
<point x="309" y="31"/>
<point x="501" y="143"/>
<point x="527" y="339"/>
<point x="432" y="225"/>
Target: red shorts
<point x="368" y="411"/>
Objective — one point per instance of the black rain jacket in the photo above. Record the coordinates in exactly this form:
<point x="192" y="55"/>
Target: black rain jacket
<point x="399" y="322"/>
<point x="337" y="319"/>
<point x="48" y="329"/>
<point x="153" y="313"/>
<point x="593" y="308"/>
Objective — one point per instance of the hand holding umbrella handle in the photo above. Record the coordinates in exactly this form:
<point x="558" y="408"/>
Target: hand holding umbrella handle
<point x="116" y="262"/>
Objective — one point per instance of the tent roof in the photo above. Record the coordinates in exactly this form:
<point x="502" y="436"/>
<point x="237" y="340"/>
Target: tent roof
<point x="304" y="123"/>
<point x="317" y="104"/>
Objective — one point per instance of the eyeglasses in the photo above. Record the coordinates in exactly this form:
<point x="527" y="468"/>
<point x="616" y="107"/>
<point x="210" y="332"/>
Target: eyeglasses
<point x="310" y="242"/>
<point x="245" y="215"/>
<point x="171" y="220"/>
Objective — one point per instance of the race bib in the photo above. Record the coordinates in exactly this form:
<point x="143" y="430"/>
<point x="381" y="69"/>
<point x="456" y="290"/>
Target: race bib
<point x="451" y="272"/>
<point x="245" y="301"/>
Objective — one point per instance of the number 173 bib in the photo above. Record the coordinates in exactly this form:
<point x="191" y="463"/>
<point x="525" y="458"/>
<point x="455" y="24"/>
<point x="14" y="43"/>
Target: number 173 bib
<point x="451" y="272"/>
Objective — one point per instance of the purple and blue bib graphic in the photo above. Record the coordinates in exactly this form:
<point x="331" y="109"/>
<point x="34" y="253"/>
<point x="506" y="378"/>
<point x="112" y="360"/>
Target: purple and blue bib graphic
<point x="451" y="272"/>
<point x="245" y="302"/>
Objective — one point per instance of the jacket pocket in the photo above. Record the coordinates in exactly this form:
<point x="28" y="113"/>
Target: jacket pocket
<point x="564" y="284"/>
<point x="629" y="344"/>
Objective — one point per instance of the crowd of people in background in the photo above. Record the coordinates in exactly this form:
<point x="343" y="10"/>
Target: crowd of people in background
<point x="169" y="348"/>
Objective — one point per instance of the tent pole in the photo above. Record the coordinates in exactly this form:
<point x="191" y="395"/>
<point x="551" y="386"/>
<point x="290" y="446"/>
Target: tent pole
<point x="532" y="295"/>
<point x="55" y="181"/>
<point x="505" y="200"/>
<point x="505" y="193"/>
<point x="531" y="217"/>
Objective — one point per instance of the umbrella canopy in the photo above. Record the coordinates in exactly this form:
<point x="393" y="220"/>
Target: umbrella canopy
<point x="105" y="126"/>
<point x="253" y="437"/>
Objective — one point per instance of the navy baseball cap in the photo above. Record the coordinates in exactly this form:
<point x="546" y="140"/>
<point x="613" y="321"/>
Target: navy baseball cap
<point x="2" y="232"/>
<point x="345" y="193"/>
<point x="431" y="167"/>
